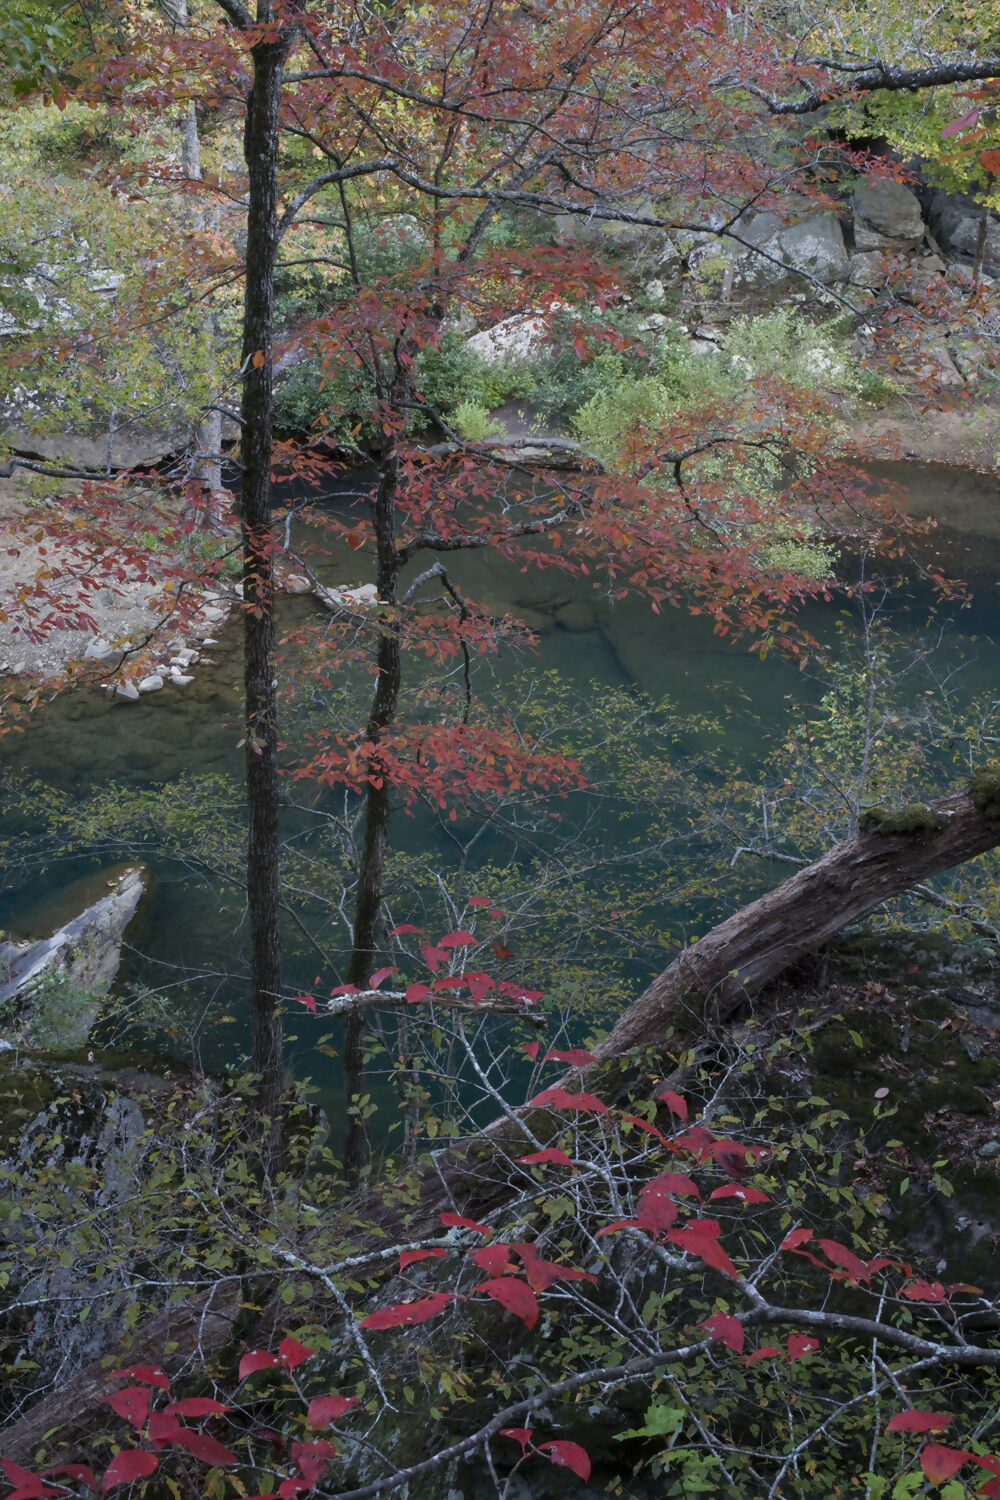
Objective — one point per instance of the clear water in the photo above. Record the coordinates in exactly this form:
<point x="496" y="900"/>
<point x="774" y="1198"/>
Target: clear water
<point x="189" y="937"/>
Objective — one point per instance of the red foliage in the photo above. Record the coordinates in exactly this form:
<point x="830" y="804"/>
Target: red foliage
<point x="515" y="1296"/>
<point x="403" y="1314"/>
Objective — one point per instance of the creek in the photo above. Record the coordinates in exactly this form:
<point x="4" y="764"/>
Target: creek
<point x="187" y="939"/>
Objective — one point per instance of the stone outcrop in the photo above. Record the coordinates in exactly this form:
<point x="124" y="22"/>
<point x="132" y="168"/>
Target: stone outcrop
<point x="887" y="216"/>
<point x="82" y="957"/>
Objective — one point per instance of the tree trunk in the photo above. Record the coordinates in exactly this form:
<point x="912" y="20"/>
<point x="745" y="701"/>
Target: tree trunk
<point x="368" y="905"/>
<point x="260" y="709"/>
<point x="708" y="983"/>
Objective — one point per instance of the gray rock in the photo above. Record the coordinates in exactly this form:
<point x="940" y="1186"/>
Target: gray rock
<point x="989" y="1149"/>
<point x="955" y="218"/>
<point x="868" y="269"/>
<point x="178" y="678"/>
<point x="127" y="690"/>
<point x="151" y="684"/>
<point x="889" y="211"/>
<point x="816" y="245"/>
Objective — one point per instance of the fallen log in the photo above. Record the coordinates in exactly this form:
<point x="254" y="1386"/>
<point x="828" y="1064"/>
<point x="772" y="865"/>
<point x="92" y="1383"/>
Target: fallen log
<point x="705" y="986"/>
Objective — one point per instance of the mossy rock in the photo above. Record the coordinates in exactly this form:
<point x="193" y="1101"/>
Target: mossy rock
<point x="913" y="818"/>
<point x="984" y="787"/>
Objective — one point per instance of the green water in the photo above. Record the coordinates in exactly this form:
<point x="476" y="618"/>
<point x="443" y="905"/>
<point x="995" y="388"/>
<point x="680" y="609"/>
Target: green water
<point x="188" y="938"/>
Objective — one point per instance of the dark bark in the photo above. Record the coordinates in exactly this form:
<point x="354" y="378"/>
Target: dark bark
<point x="375" y="838"/>
<point x="261" y="716"/>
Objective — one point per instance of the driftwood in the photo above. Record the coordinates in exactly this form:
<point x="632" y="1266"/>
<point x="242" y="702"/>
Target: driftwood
<point x="706" y="985"/>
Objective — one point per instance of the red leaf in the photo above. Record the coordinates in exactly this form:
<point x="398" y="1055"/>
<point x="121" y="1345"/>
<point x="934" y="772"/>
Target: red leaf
<point x="479" y="984"/>
<point x="645" y="1126"/>
<point x="478" y="901"/>
<point x="433" y="957"/>
<point x="313" y="1459"/>
<point x="28" y="1486"/>
<point x="129" y="1464"/>
<point x="551" y="1153"/>
<point x="500" y="950"/>
<point x="257" y="1359"/>
<point x="151" y="1374"/>
<point x="458" y="939"/>
<point x="674" y="1103"/>
<point x="957" y="126"/>
<point x="344" y="989"/>
<point x="794" y="1238"/>
<point x="568" y="1456"/>
<point x="697" y="1239"/>
<point x="407" y="1257"/>
<point x="309" y="1001"/>
<point x="455" y="1221"/>
<point x="918" y="1421"/>
<point x="696" y="1140"/>
<point x="800" y="1344"/>
<point x="379" y="977"/>
<point x="745" y="1194"/>
<point x="766" y="1351"/>
<point x="326" y="1409"/>
<point x="618" y="1224"/>
<point x="940" y="1463"/>
<point x="132" y="1403"/>
<point x="417" y="992"/>
<point x="577" y="1057"/>
<point x="405" y="927"/>
<point x="292" y="1353"/>
<point x="204" y="1446"/>
<point x="542" y="1273"/>
<point x="532" y="1049"/>
<point x="561" y="1099"/>
<point x="404" y="1314"/>
<point x="520" y="1435"/>
<point x="493" y="1259"/>
<point x="841" y="1256"/>
<point x="732" y="1156"/>
<point x="726" y="1329"/>
<point x="195" y="1406"/>
<point x="990" y="160"/>
<point x="162" y="1429"/>
<point x="924" y="1291"/>
<point x="516" y="1296"/>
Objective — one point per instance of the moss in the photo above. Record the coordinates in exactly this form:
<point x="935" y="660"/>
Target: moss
<point x="984" y="786"/>
<point x="912" y="818"/>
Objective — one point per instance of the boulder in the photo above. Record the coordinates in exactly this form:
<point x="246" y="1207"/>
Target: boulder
<point x="151" y="684"/>
<point x="355" y="597"/>
<point x="581" y="229"/>
<point x="519" y="338"/>
<point x="955" y="218"/>
<point x="867" y="269"/>
<point x="886" y="216"/>
<point x="816" y="245"/>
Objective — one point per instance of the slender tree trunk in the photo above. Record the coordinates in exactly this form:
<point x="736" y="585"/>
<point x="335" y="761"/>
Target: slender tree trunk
<point x="261" y="150"/>
<point x="368" y="904"/>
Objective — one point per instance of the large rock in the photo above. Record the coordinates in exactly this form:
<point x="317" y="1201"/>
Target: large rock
<point x="886" y="216"/>
<point x="592" y="233"/>
<point x="519" y="338"/>
<point x="955" y="219"/>
<point x="814" y="244"/>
